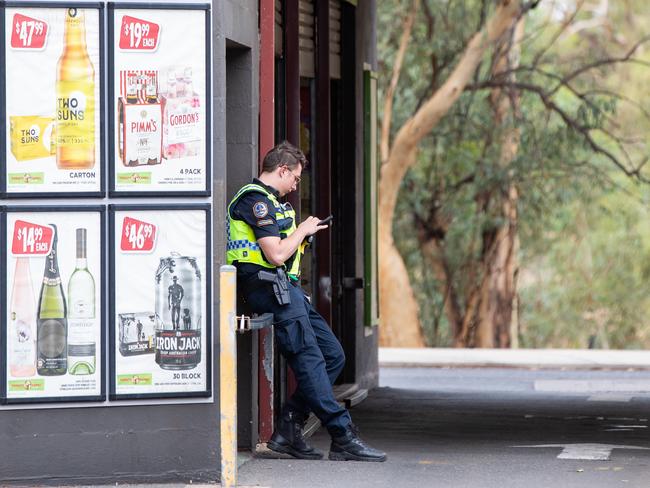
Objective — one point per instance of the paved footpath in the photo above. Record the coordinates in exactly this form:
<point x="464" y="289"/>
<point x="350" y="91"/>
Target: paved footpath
<point x="488" y="428"/>
<point x="488" y="419"/>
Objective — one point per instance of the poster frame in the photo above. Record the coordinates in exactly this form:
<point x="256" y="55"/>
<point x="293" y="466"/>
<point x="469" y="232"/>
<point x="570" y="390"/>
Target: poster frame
<point x="3" y="301"/>
<point x="112" y="209"/>
<point x="4" y="191"/>
<point x="112" y="192"/>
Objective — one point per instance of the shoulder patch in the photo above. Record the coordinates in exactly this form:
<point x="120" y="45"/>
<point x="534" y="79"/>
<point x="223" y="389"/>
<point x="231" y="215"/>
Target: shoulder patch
<point x="264" y="222"/>
<point x="260" y="209"/>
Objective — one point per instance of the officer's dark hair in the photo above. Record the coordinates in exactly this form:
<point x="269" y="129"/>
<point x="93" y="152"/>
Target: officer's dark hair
<point x="284" y="154"/>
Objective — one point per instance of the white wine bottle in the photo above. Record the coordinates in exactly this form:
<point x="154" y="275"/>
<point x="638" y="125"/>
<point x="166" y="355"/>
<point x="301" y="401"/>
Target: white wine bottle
<point x="81" y="313"/>
<point x="52" y="325"/>
<point x="22" y="340"/>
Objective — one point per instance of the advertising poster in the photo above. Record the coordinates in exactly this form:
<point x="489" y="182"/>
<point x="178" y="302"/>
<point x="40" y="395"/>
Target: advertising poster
<point x="53" y="304"/>
<point x="160" y="321"/>
<point x="52" y="105"/>
<point x="159" y="102"/>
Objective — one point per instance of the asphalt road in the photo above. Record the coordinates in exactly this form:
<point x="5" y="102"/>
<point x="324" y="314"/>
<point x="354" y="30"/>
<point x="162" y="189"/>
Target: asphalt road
<point x="488" y="428"/>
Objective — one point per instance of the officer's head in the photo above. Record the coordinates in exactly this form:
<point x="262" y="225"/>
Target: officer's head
<point x="283" y="165"/>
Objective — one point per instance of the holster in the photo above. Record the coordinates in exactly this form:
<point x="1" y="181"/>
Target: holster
<point x="280" y="284"/>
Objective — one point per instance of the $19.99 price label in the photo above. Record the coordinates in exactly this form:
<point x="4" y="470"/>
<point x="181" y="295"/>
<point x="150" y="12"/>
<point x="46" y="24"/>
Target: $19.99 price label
<point x="28" y="33"/>
<point x="31" y="239"/>
<point x="137" y="235"/>
<point x="138" y="35"/>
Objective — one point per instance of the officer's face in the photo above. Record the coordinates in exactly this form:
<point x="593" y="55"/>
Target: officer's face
<point x="290" y="179"/>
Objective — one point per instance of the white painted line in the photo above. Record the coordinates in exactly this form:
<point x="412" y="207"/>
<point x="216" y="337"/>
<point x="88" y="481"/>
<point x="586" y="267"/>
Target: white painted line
<point x="593" y="386"/>
<point x="587" y="452"/>
<point x="609" y="397"/>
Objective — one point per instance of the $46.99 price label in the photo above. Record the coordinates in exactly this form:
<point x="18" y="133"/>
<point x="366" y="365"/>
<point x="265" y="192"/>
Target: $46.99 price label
<point x="31" y="239"/>
<point x="138" y="35"/>
<point x="28" y="33"/>
<point x="137" y="236"/>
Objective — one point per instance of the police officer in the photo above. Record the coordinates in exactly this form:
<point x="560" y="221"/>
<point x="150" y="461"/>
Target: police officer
<point x="265" y="245"/>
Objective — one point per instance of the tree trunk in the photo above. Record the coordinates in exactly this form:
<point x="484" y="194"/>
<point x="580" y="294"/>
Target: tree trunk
<point x="434" y="257"/>
<point x="499" y="288"/>
<point x="400" y="325"/>
<point x="398" y="308"/>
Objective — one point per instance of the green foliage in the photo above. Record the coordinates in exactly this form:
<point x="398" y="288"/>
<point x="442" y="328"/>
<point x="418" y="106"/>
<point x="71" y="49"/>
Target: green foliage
<point x="584" y="244"/>
<point x="586" y="276"/>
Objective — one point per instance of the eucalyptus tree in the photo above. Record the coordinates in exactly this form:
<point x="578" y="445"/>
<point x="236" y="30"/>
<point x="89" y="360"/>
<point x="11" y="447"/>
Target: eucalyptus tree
<point x="483" y="115"/>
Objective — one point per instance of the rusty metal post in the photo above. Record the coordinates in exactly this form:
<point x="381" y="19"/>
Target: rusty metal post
<point x="265" y="383"/>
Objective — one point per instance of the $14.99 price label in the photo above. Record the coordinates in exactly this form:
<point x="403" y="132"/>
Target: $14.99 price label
<point x="31" y="239"/>
<point x="138" y="35"/>
<point x="137" y="236"/>
<point x="28" y="33"/>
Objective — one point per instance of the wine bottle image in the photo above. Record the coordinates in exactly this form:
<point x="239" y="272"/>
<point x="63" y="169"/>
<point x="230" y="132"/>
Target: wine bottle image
<point x="75" y="97"/>
<point x="81" y="313"/>
<point x="22" y="324"/>
<point x="52" y="324"/>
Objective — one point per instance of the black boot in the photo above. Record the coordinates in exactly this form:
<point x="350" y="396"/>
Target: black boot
<point x="350" y="447"/>
<point x="288" y="439"/>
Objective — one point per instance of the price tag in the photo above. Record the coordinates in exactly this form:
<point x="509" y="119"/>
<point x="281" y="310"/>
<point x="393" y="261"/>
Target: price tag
<point x="138" y="35"/>
<point x="28" y="33"/>
<point x="137" y="236"/>
<point x="31" y="239"/>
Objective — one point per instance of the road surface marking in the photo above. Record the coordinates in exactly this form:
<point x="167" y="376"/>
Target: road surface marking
<point x="593" y="386"/>
<point x="587" y="452"/>
<point x="631" y="426"/>
<point x="610" y="397"/>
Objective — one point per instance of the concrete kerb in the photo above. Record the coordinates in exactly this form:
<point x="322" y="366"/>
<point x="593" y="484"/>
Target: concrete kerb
<point x="515" y="358"/>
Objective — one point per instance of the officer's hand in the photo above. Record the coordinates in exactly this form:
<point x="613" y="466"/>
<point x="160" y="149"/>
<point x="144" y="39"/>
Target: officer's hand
<point x="310" y="225"/>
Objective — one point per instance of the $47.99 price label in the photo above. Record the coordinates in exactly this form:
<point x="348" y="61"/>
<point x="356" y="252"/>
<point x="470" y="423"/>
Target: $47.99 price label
<point x="31" y="239"/>
<point x="28" y="33"/>
<point x="137" y="235"/>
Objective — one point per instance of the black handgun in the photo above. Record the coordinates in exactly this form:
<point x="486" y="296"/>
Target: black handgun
<point x="280" y="284"/>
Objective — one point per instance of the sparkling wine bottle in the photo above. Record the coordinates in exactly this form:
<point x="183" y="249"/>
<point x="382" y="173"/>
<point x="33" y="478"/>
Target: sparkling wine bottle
<point x="52" y="325"/>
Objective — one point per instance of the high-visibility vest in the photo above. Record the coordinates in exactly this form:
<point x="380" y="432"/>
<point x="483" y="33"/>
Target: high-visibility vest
<point x="243" y="246"/>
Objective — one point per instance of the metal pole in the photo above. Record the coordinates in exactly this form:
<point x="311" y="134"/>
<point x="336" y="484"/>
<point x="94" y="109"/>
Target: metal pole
<point x="228" y="375"/>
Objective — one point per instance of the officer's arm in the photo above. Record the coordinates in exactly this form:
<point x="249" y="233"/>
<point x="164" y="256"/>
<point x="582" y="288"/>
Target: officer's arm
<point x="277" y="250"/>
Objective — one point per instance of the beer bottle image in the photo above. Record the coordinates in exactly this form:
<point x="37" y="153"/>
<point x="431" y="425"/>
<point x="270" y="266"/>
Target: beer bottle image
<point x="81" y="313"/>
<point x="22" y="324"/>
<point x="75" y="97"/>
<point x="131" y="89"/>
<point x="152" y="89"/>
<point x="52" y="324"/>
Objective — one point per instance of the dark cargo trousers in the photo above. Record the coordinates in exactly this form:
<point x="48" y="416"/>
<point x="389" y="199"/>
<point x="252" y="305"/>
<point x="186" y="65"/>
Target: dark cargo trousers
<point x="313" y="352"/>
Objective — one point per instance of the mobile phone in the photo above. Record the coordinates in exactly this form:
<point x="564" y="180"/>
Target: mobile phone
<point x="326" y="221"/>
